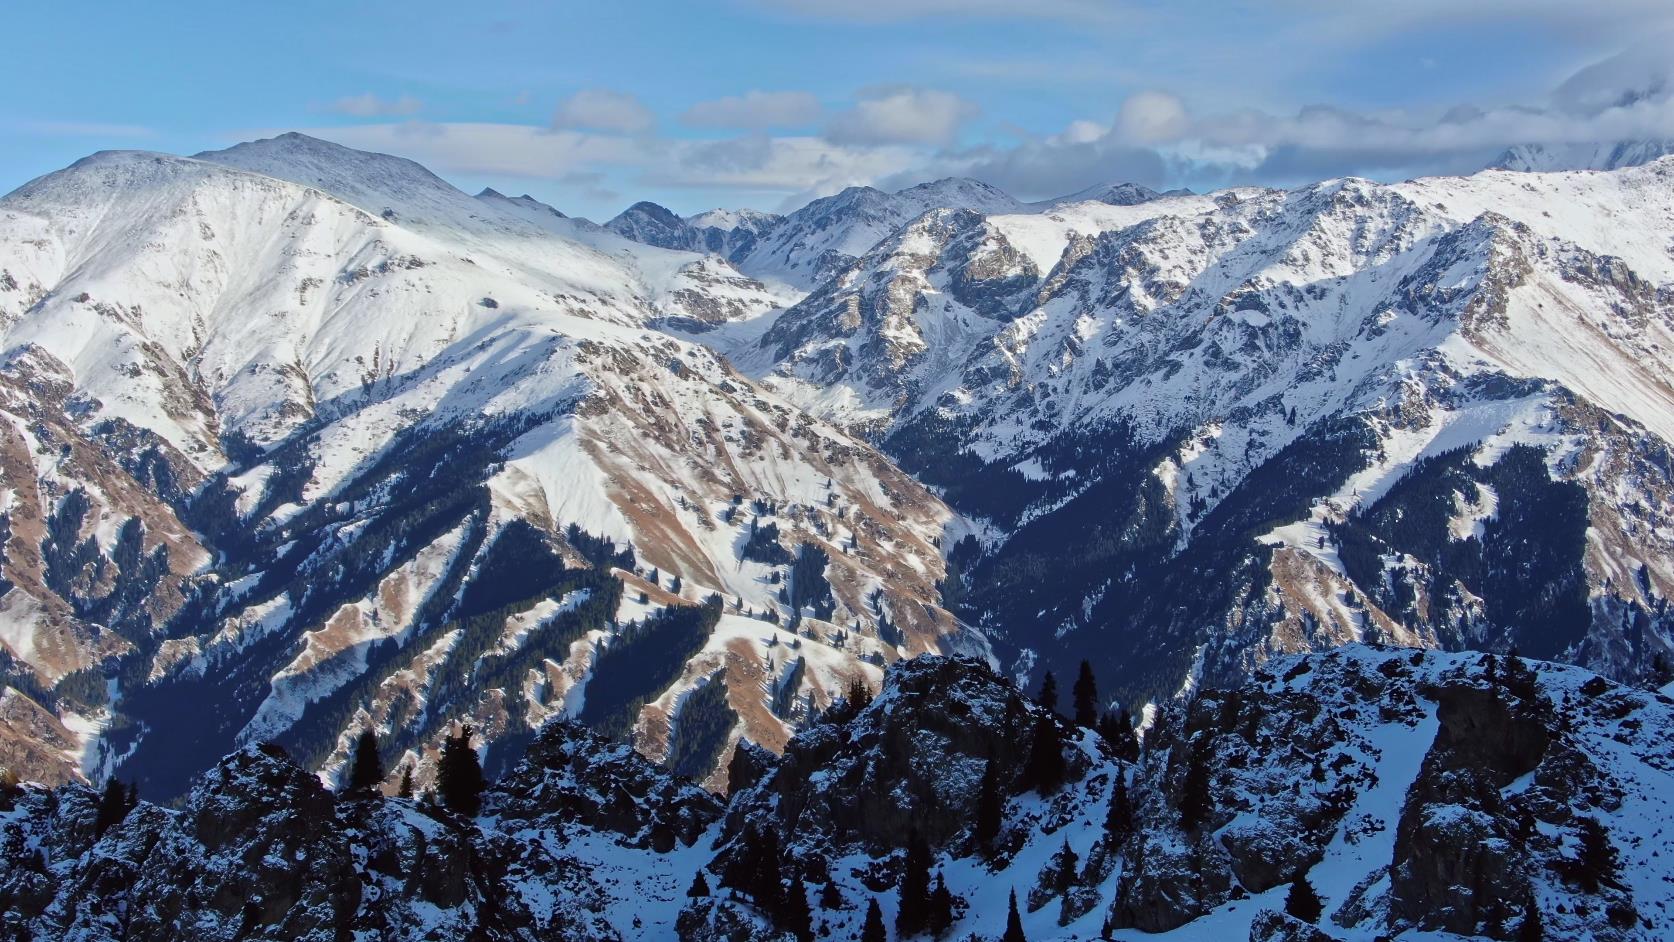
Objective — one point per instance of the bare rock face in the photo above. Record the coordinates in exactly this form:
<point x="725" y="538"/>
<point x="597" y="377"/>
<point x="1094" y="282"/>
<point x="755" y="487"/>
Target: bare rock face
<point x="572" y="775"/>
<point x="913" y="760"/>
<point x="1270" y="926"/>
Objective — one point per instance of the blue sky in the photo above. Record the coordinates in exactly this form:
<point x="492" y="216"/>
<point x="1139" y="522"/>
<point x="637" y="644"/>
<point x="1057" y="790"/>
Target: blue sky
<point x="766" y="103"/>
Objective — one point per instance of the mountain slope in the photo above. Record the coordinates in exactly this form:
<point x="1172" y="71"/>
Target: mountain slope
<point x="401" y="441"/>
<point x="1222" y="389"/>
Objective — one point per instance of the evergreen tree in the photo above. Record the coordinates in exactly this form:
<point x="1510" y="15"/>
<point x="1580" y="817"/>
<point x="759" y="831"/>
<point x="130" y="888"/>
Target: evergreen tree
<point x="1118" y="822"/>
<point x="1066" y="866"/>
<point x="831" y="897"/>
<point x="1014" y="923"/>
<point x="1302" y="902"/>
<point x="459" y="776"/>
<point x="1086" y="692"/>
<point x="860" y="695"/>
<point x="1195" y="801"/>
<point x="991" y="804"/>
<point x="1048" y="696"/>
<point x="1045" y="769"/>
<point x="406" y="789"/>
<point x="912" y="916"/>
<point x="366" y="772"/>
<point x="941" y="908"/>
<point x="1531" y="929"/>
<point x="1597" y="865"/>
<point x="1116" y="729"/>
<point x="794" y="914"/>
<point x="765" y="884"/>
<point x="873" y="930"/>
<point x="113" y="807"/>
<point x="700" y="886"/>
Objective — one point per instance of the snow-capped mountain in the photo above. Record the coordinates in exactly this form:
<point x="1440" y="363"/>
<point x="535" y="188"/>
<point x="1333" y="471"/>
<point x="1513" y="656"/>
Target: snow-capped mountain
<point x="1548" y="158"/>
<point x="1241" y="389"/>
<point x="731" y="235"/>
<point x="308" y="436"/>
<point x="1414" y="796"/>
<point x="805" y="246"/>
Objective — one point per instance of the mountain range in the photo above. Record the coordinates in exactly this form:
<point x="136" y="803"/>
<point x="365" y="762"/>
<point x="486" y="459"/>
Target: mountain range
<point x="301" y="441"/>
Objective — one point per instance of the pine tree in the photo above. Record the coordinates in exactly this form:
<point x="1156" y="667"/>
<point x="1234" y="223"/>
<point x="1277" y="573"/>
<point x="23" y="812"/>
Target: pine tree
<point x="1118" y="822"/>
<point x="991" y="804"/>
<point x="860" y="696"/>
<point x="941" y="908"/>
<point x="913" y="913"/>
<point x="831" y="897"/>
<point x="1532" y="929"/>
<point x="873" y="930"/>
<point x="459" y="776"/>
<point x="700" y="886"/>
<point x="1597" y="865"/>
<point x="1086" y="694"/>
<point x="1302" y="902"/>
<point x="1195" y="801"/>
<point x="1014" y="923"/>
<point x="406" y="789"/>
<point x="1048" y="696"/>
<point x="366" y="772"/>
<point x="113" y="807"/>
<point x="794" y="914"/>
<point x="1044" y="771"/>
<point x="1116" y="729"/>
<point x="1066" y="865"/>
<point x="766" y="884"/>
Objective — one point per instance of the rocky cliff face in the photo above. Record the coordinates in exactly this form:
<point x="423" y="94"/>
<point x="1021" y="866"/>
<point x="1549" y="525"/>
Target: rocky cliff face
<point x="1417" y="793"/>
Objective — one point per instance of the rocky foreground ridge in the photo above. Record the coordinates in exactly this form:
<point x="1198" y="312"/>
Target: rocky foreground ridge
<point x="1414" y="793"/>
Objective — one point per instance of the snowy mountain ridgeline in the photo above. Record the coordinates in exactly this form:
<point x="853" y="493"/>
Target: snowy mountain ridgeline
<point x="302" y="443"/>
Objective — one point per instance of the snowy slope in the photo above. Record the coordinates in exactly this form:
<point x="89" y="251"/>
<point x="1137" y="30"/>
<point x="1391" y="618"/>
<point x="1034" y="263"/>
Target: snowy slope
<point x="1203" y="345"/>
<point x="331" y="352"/>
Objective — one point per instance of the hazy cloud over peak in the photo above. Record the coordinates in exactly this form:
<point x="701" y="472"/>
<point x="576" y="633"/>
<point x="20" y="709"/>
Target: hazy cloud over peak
<point x="602" y="109"/>
<point x="901" y="114"/>
<point x="755" y="111"/>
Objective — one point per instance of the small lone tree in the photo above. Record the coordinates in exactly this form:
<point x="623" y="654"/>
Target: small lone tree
<point x="366" y="772"/>
<point x="1045" y="769"/>
<point x="699" y="887"/>
<point x="1086" y="695"/>
<point x="912" y="916"/>
<point x="1195" y="801"/>
<point x="1531" y="929"/>
<point x="1048" y="696"/>
<point x="794" y="914"/>
<point x="941" y="908"/>
<point x="1118" y="821"/>
<point x="991" y="804"/>
<point x="459" y="776"/>
<point x="1014" y="923"/>
<point x="831" y="897"/>
<point x="406" y="789"/>
<point x="1597" y="864"/>
<point x="114" y="806"/>
<point x="1066" y="865"/>
<point x="1302" y="902"/>
<point x="873" y="930"/>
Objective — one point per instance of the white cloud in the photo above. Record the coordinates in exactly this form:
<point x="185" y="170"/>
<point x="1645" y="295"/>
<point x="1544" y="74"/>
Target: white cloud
<point x="755" y="111"/>
<point x="369" y="105"/>
<point x="900" y="114"/>
<point x="601" y="109"/>
<point x="1151" y="117"/>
